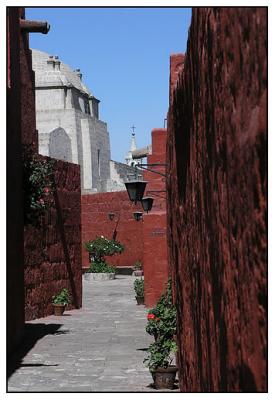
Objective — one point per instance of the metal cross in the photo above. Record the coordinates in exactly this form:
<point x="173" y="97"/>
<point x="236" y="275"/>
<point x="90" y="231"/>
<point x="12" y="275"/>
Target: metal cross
<point x="133" y="127"/>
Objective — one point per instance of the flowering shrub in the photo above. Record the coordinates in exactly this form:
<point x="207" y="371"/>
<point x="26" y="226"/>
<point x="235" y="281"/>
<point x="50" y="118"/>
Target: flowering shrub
<point x="162" y="321"/>
<point x="162" y="325"/>
<point x="98" y="249"/>
<point x="139" y="287"/>
<point x="37" y="184"/>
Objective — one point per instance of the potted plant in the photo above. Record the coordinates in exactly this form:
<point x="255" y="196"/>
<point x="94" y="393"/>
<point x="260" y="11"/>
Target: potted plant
<point x="138" y="268"/>
<point x="98" y="249"/>
<point x="161" y="355"/>
<point x="162" y="325"/>
<point x="162" y="318"/>
<point x="139" y="289"/>
<point x="60" y="301"/>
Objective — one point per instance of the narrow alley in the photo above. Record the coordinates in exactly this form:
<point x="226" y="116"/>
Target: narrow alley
<point x="99" y="348"/>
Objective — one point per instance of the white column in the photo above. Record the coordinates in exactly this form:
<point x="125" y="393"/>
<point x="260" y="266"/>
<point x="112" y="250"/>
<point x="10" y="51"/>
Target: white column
<point x="86" y="151"/>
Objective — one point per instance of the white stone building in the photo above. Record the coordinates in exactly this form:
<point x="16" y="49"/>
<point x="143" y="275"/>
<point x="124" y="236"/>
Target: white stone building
<point x="67" y="119"/>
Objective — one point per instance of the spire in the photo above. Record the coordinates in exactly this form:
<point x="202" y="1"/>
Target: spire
<point x="133" y="142"/>
<point x="129" y="159"/>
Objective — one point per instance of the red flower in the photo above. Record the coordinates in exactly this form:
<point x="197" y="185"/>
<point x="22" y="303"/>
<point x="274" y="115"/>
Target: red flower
<point x="46" y="190"/>
<point x="150" y="316"/>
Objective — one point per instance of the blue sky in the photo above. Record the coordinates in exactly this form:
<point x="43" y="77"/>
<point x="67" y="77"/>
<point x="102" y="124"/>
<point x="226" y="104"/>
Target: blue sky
<point x="123" y="54"/>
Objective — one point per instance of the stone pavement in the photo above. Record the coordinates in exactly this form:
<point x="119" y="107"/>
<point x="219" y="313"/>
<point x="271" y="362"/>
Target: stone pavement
<point x="99" y="348"/>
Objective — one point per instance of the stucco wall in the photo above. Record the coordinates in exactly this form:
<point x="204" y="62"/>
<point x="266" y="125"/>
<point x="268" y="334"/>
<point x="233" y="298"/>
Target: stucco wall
<point x="217" y="201"/>
<point x="95" y="222"/>
<point x="154" y="229"/>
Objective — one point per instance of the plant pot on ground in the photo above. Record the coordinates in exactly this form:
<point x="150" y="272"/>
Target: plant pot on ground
<point x="60" y="301"/>
<point x="138" y="269"/>
<point x="162" y="325"/>
<point x="100" y="271"/>
<point x="161" y="355"/>
<point x="139" y="289"/>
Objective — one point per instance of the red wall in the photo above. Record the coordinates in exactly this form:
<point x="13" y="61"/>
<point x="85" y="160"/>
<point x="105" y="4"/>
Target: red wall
<point x="154" y="227"/>
<point x="216" y="190"/>
<point x="95" y="222"/>
<point x="15" y="228"/>
<point x="41" y="260"/>
<point x="52" y="251"/>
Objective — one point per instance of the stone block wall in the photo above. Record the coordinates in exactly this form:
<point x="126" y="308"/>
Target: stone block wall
<point x="95" y="222"/>
<point x="217" y="137"/>
<point x="52" y="250"/>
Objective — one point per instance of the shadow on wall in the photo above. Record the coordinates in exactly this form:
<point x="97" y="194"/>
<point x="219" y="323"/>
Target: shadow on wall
<point x="33" y="332"/>
<point x="60" y="145"/>
<point x="65" y="249"/>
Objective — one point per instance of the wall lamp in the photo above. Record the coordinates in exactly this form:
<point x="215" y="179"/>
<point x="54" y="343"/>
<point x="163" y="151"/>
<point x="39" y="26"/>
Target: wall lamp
<point x="137" y="215"/>
<point x="135" y="189"/>
<point x="111" y="216"/>
<point x="147" y="203"/>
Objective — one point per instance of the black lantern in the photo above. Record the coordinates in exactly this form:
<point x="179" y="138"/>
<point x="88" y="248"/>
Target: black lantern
<point x="147" y="203"/>
<point x="137" y="215"/>
<point x="135" y="189"/>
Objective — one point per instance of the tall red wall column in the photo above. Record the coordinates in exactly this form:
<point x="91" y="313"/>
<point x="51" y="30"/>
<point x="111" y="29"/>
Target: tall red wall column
<point x="95" y="222"/>
<point x="154" y="226"/>
<point x="15" y="228"/>
<point x="216" y="190"/>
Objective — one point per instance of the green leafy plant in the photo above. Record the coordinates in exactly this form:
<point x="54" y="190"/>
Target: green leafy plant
<point x="62" y="297"/>
<point x="162" y="318"/>
<point x="161" y="354"/>
<point x="162" y="325"/>
<point x="138" y="265"/>
<point x="37" y="184"/>
<point x="101" y="247"/>
<point x="139" y="287"/>
<point x="101" y="267"/>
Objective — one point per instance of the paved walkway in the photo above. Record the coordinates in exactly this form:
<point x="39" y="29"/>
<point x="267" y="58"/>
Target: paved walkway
<point x="99" y="348"/>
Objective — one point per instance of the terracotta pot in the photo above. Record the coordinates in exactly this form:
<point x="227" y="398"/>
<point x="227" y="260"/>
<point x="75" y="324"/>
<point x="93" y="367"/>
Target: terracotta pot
<point x="58" y="309"/>
<point x="138" y="272"/>
<point x="140" y="300"/>
<point x="164" y="378"/>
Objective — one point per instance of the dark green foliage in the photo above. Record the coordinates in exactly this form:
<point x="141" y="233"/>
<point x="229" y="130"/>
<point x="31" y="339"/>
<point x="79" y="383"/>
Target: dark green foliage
<point x="100" y="267"/>
<point x="165" y="312"/>
<point x="37" y="185"/>
<point x="62" y="297"/>
<point x="162" y="325"/>
<point x="160" y="353"/>
<point x="101" y="247"/>
<point x="139" y="287"/>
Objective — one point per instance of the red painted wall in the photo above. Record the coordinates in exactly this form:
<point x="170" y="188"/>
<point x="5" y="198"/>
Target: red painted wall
<point x="52" y="251"/>
<point x="95" y="222"/>
<point x="217" y="201"/>
<point x="154" y="227"/>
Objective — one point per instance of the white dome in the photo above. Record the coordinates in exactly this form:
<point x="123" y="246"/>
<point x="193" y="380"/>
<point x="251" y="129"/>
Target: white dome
<point x="46" y="75"/>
